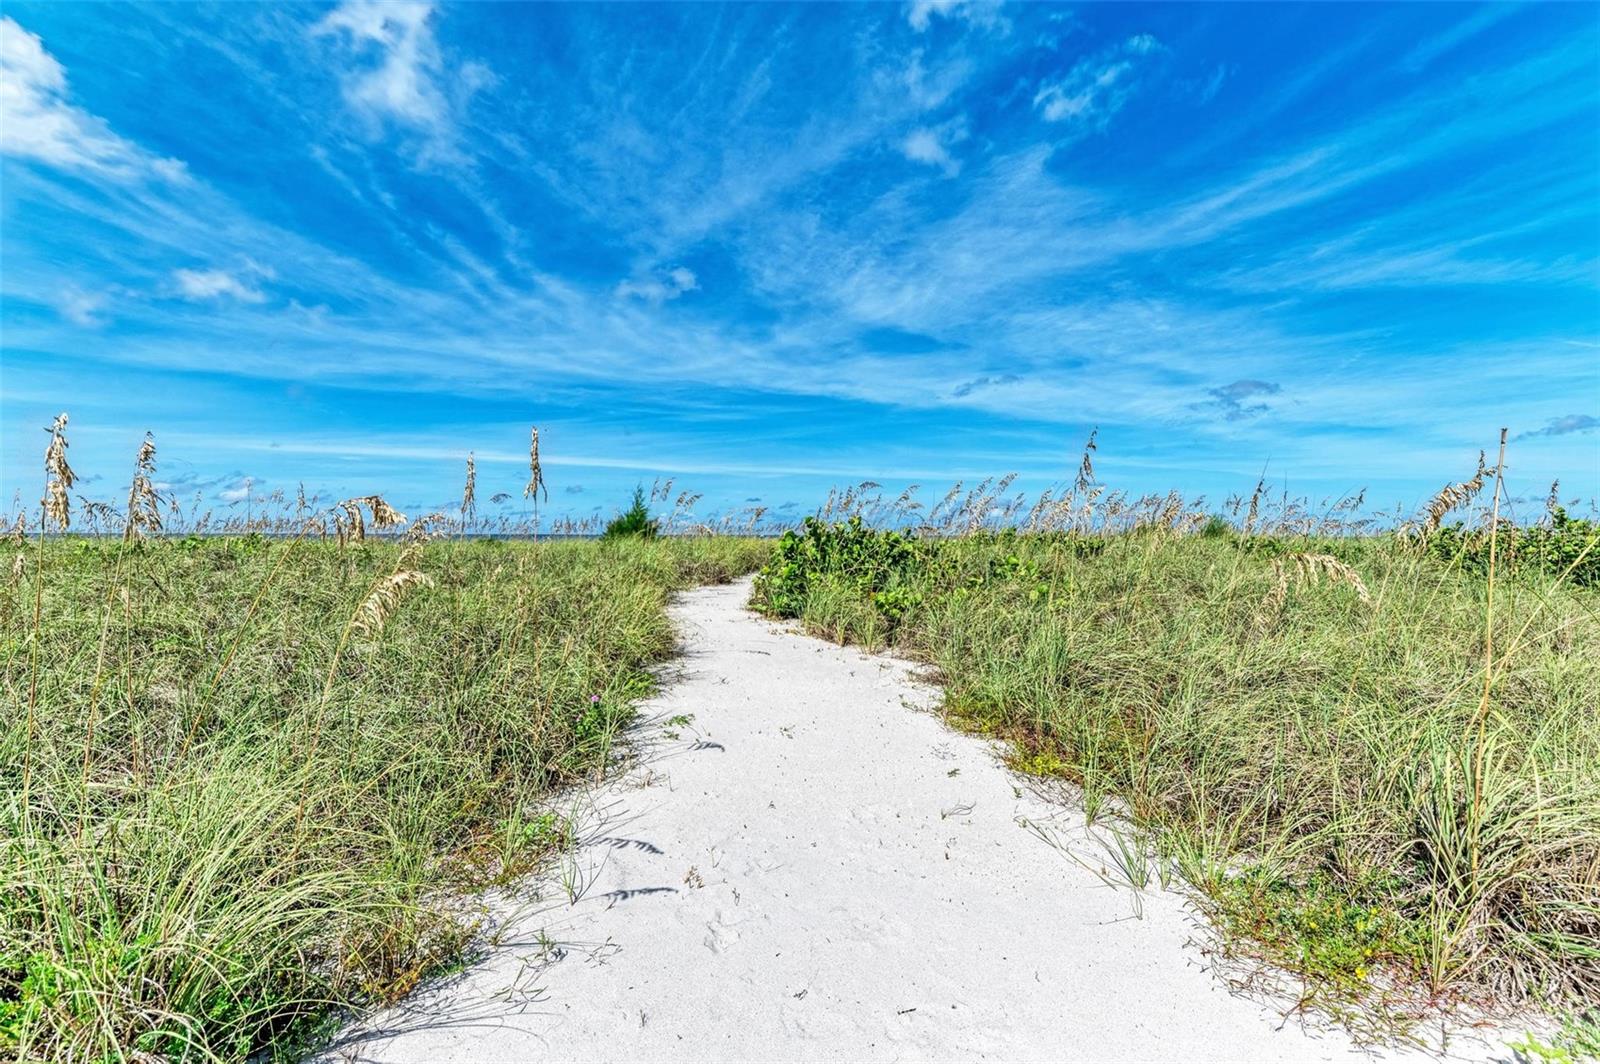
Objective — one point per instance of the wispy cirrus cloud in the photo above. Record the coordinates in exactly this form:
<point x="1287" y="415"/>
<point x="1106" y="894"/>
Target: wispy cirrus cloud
<point x="1097" y="87"/>
<point x="81" y="307"/>
<point x="39" y="121"/>
<point x="216" y="284"/>
<point x="841" y="297"/>
<point x="1439" y="44"/>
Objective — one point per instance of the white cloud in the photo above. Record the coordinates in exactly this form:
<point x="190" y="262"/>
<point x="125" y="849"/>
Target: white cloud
<point x="408" y="84"/>
<point x="1095" y="88"/>
<point x="238" y="493"/>
<point x="985" y="14"/>
<point x="80" y="307"/>
<point x="203" y="285"/>
<point x="931" y="145"/>
<point x="929" y="88"/>
<point x="37" y="121"/>
<point x="669" y="285"/>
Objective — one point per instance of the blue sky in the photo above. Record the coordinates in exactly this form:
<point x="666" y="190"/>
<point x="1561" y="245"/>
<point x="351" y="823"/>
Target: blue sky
<point x="768" y="249"/>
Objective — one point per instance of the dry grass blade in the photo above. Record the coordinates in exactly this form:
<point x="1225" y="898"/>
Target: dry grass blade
<point x="385" y="598"/>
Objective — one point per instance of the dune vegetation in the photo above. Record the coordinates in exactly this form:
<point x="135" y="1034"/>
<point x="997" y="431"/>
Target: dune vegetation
<point x="246" y="778"/>
<point x="1376" y="754"/>
<point x="251" y="766"/>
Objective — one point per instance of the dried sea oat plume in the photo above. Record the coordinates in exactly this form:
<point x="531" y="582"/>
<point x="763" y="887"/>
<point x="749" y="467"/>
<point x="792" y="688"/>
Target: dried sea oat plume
<point x="383" y="515"/>
<point x="469" y="495"/>
<point x="352" y="526"/>
<point x="1255" y="506"/>
<point x="144" y="504"/>
<point x="59" y="476"/>
<point x="1086" y="465"/>
<point x="1452" y="496"/>
<point x="1308" y="570"/>
<point x="535" y="470"/>
<point x="385" y="599"/>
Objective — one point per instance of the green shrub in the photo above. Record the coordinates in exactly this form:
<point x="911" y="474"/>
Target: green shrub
<point x="1567" y="545"/>
<point x="635" y="522"/>
<point x="868" y="559"/>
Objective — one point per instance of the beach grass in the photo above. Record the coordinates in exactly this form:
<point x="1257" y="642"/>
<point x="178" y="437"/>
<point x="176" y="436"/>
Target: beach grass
<point x="245" y="781"/>
<point x="252" y="765"/>
<point x="1375" y="778"/>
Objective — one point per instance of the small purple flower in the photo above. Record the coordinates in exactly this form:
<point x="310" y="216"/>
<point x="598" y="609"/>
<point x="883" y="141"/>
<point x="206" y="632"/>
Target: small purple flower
<point x="594" y="699"/>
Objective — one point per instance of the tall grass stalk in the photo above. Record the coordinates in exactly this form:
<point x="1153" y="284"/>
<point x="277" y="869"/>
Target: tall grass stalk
<point x="1488" y="651"/>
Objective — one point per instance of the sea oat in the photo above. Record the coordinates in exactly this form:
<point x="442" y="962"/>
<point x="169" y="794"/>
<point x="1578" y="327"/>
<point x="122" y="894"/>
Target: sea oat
<point x="1307" y="570"/>
<point x="1086" y="464"/>
<point x="469" y="495"/>
<point x="385" y="598"/>
<point x="535" y="470"/>
<point x="1450" y="497"/>
<point x="427" y="527"/>
<point x="1255" y="506"/>
<point x="58" y="474"/>
<point x="144" y="504"/>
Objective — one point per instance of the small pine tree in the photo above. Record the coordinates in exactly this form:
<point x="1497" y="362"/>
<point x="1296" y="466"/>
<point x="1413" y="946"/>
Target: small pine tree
<point x="634" y="521"/>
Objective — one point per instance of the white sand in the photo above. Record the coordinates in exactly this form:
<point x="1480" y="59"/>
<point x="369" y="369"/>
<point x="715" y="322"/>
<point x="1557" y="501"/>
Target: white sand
<point x="813" y="869"/>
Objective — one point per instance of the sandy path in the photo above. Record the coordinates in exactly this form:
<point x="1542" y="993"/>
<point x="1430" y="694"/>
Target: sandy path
<point x="814" y="870"/>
